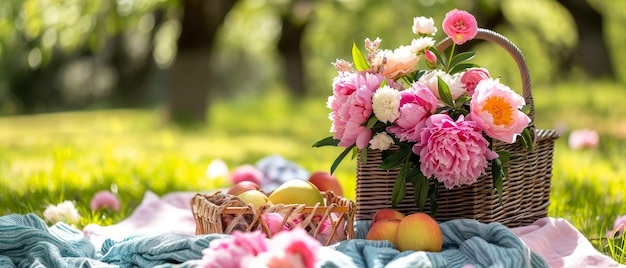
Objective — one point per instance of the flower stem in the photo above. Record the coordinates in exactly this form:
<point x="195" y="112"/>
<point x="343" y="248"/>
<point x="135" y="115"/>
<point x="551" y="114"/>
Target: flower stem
<point x="450" y="58"/>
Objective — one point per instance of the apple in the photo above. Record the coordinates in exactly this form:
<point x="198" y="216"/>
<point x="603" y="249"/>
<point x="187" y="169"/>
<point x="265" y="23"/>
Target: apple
<point x="297" y="192"/>
<point x="419" y="232"/>
<point x="243" y="186"/>
<point x="324" y="181"/>
<point x="254" y="197"/>
<point x="246" y="173"/>
<point x="386" y="213"/>
<point x="384" y="229"/>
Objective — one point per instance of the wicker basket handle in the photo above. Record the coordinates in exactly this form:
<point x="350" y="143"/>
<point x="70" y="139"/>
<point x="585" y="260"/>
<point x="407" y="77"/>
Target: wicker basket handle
<point x="517" y="55"/>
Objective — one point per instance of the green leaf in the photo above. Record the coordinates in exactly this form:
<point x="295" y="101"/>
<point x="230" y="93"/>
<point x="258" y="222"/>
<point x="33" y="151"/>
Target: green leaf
<point x="363" y="155"/>
<point x="340" y="158"/>
<point x="396" y="159"/>
<point x="371" y="122"/>
<point x="525" y="109"/>
<point x="440" y="59"/>
<point x="462" y="67"/>
<point x="444" y="92"/>
<point x="497" y="175"/>
<point x="527" y="139"/>
<point x="432" y="193"/>
<point x="462" y="57"/>
<point x="399" y="187"/>
<point x="458" y="103"/>
<point x="328" y="141"/>
<point x="359" y="60"/>
<point x="421" y="186"/>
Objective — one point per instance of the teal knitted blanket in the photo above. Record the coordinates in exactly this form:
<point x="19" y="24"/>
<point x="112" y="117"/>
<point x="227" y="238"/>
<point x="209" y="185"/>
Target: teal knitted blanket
<point x="26" y="241"/>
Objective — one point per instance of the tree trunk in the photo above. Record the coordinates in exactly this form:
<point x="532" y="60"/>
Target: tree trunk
<point x="592" y="53"/>
<point x="187" y="94"/>
<point x="290" y="47"/>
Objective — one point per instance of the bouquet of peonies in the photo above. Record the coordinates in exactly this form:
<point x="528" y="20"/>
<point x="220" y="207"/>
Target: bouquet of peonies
<point x="435" y="125"/>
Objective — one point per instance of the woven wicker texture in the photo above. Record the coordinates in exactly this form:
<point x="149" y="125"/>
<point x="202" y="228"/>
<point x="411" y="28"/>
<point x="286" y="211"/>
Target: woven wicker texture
<point x="526" y="190"/>
<point x="208" y="216"/>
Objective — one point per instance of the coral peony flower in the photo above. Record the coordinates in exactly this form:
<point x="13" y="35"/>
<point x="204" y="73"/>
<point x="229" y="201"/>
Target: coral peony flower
<point x="396" y="63"/>
<point x="460" y="26"/>
<point x="471" y="77"/>
<point x="105" y="199"/>
<point x="381" y="141"/>
<point x="583" y="138"/>
<point x="618" y="227"/>
<point x="417" y="104"/>
<point x="430" y="80"/>
<point x="495" y="108"/>
<point x="64" y="211"/>
<point x="456" y="153"/>
<point x="228" y="252"/>
<point x="385" y="103"/>
<point x="424" y="25"/>
<point x="351" y="105"/>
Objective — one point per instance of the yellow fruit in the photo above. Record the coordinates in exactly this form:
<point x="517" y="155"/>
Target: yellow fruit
<point x="255" y="197"/>
<point x="297" y="192"/>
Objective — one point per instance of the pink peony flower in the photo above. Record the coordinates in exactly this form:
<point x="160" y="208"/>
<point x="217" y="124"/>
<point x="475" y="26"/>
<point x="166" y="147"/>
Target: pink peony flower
<point x="456" y="153"/>
<point x="228" y="252"/>
<point x="351" y="106"/>
<point x="618" y="227"/>
<point x="471" y="77"/>
<point x="295" y="248"/>
<point x="431" y="59"/>
<point x="417" y="104"/>
<point x="460" y="26"/>
<point x="583" y="138"/>
<point x="326" y="230"/>
<point x="495" y="108"/>
<point x="105" y="199"/>
<point x="246" y="173"/>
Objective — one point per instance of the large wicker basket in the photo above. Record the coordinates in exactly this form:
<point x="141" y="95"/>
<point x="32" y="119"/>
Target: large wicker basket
<point x="208" y="215"/>
<point x="526" y="190"/>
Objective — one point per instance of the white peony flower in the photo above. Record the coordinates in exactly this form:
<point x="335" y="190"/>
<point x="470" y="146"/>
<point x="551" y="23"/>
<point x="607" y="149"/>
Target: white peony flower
<point x="424" y="25"/>
<point x="64" y="211"/>
<point x="453" y="81"/>
<point x="421" y="44"/>
<point x="386" y="103"/>
<point x="381" y="141"/>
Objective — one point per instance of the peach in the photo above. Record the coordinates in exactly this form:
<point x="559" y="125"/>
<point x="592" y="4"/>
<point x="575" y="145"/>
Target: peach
<point x="419" y="232"/>
<point x="325" y="182"/>
<point x="243" y="186"/>
<point x="386" y="213"/>
<point x="384" y="229"/>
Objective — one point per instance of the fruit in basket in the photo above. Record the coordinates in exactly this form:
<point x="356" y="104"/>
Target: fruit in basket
<point x="243" y="186"/>
<point x="384" y="229"/>
<point x="419" y="232"/>
<point x="254" y="197"/>
<point x="297" y="192"/>
<point x="386" y="213"/>
<point x="324" y="181"/>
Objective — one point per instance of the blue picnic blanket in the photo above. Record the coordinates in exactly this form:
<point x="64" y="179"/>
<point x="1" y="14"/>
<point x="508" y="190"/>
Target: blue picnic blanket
<point x="26" y="241"/>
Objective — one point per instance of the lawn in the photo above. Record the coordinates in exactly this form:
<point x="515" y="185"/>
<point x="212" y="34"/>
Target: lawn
<point x="49" y="158"/>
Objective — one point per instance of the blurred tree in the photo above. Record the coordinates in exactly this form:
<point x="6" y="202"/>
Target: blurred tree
<point x="592" y="54"/>
<point x="188" y="92"/>
<point x="294" y="18"/>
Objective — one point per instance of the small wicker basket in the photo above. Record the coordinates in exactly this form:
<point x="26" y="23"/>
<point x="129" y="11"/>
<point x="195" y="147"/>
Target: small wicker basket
<point x="338" y="211"/>
<point x="526" y="190"/>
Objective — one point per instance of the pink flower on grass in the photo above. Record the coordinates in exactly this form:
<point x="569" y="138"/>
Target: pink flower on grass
<point x="618" y="227"/>
<point x="105" y="199"/>
<point x="228" y="252"/>
<point x="456" y="153"/>
<point x="471" y="77"/>
<point x="460" y="26"/>
<point x="583" y="138"/>
<point x="495" y="108"/>
<point x="351" y="106"/>
<point x="416" y="104"/>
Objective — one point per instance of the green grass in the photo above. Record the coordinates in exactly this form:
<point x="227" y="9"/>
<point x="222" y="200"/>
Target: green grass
<point x="45" y="159"/>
